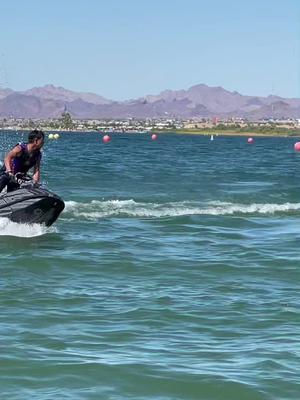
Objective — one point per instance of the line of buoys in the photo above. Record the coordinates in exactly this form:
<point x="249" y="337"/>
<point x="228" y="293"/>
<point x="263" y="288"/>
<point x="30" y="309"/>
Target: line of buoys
<point x="106" y="138"/>
<point x="250" y="140"/>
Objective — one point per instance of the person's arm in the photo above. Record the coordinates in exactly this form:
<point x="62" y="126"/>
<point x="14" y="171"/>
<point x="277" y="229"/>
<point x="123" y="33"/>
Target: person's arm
<point x="15" y="152"/>
<point x="37" y="171"/>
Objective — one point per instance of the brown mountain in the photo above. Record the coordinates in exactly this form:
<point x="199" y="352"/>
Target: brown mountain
<point x="198" y="101"/>
<point x="51" y="92"/>
<point x="5" y="93"/>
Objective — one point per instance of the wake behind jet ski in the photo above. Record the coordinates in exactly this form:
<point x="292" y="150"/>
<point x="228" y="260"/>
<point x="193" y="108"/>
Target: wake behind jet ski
<point x="31" y="203"/>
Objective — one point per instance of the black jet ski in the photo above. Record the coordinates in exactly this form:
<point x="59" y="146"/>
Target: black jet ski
<point x="31" y="203"/>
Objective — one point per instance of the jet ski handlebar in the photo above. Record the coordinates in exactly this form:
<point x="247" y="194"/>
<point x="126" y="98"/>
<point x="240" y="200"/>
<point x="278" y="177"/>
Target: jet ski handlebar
<point x="22" y="179"/>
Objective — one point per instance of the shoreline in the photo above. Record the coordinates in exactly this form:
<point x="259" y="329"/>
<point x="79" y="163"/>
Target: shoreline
<point x="173" y="132"/>
<point x="233" y="133"/>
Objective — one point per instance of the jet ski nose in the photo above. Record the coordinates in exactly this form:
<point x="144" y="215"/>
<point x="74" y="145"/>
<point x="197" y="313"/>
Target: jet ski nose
<point x="31" y="206"/>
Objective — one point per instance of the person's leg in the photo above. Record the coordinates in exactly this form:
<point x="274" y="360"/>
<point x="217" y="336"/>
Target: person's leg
<point x="11" y="186"/>
<point x="4" y="179"/>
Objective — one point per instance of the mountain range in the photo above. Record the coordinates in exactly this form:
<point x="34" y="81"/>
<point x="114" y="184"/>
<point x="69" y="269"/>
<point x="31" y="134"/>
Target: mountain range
<point x="196" y="102"/>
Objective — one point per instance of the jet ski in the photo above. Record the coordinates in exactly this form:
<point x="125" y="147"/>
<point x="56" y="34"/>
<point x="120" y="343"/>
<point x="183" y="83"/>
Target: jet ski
<point x="31" y="203"/>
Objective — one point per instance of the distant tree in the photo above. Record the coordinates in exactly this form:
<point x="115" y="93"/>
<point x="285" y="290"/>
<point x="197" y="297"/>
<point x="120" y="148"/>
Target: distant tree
<point x="31" y="124"/>
<point x="66" y="120"/>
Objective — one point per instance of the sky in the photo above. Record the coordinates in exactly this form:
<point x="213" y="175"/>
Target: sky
<point x="123" y="49"/>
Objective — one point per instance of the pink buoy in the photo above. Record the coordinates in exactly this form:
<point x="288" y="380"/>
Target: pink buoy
<point x="154" y="136"/>
<point x="297" y="146"/>
<point x="250" y="140"/>
<point x="106" y="139"/>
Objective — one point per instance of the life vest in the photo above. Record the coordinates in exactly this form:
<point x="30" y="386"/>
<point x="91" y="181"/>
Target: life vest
<point x="25" y="161"/>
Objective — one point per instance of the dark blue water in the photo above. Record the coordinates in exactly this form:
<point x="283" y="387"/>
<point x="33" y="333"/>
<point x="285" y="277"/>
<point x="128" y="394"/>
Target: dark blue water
<point x="172" y="274"/>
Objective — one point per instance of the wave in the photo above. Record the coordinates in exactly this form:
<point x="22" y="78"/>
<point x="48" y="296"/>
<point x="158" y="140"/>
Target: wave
<point x="9" y="228"/>
<point x="129" y="208"/>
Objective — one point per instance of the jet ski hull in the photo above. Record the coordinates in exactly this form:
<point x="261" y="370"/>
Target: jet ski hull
<point x="34" y="205"/>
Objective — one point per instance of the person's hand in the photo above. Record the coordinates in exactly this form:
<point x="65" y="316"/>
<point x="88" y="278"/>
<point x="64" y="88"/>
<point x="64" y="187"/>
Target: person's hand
<point x="10" y="175"/>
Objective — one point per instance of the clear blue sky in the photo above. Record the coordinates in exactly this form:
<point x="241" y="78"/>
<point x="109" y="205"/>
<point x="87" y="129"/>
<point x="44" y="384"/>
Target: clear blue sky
<point x="124" y="49"/>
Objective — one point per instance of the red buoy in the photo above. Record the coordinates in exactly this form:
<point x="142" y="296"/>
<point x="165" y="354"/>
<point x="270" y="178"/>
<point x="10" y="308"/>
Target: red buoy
<point x="106" y="139"/>
<point x="297" y="146"/>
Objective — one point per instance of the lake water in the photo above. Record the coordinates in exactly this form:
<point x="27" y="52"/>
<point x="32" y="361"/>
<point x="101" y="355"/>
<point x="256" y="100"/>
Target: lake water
<point x="173" y="273"/>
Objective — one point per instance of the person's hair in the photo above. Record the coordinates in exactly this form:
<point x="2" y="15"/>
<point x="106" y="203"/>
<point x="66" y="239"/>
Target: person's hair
<point x="35" y="134"/>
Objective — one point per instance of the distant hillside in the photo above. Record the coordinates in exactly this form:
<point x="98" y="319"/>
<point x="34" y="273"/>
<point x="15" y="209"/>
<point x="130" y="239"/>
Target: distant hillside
<point x="51" y="92"/>
<point x="198" y="101"/>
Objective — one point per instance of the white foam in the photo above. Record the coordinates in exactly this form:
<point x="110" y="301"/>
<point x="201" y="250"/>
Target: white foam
<point x="112" y="208"/>
<point x="8" y="228"/>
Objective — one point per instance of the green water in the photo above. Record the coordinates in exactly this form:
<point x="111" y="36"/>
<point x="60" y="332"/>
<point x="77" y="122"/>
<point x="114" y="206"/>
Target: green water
<point x="172" y="274"/>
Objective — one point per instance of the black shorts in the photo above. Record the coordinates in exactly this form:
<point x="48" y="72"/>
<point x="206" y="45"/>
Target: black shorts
<point x="6" y="181"/>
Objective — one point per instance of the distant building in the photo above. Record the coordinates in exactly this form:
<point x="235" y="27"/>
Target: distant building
<point x="215" y="120"/>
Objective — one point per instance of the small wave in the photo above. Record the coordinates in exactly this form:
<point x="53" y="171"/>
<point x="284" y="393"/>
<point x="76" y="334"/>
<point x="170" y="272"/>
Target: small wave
<point x="129" y="208"/>
<point x="9" y="228"/>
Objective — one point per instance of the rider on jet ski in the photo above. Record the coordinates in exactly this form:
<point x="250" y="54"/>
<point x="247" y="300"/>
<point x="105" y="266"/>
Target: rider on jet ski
<point x="21" y="159"/>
